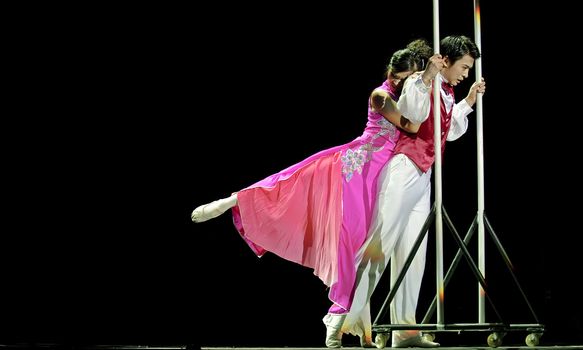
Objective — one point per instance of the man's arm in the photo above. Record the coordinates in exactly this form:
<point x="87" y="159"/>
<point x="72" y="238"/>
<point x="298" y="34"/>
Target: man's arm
<point x="414" y="101"/>
<point x="459" y="120"/>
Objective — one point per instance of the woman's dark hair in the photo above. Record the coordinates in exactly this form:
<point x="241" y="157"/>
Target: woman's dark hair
<point x="412" y="58"/>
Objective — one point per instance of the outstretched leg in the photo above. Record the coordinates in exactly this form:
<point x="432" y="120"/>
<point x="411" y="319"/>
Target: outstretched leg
<point x="213" y="209"/>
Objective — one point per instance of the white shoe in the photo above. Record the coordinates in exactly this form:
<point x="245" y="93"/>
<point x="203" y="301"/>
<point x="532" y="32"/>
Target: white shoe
<point x="415" y="342"/>
<point x="212" y="210"/>
<point x="199" y="215"/>
<point x="333" y="324"/>
<point x="366" y="344"/>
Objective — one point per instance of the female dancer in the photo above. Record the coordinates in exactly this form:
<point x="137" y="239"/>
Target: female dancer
<point x="317" y="212"/>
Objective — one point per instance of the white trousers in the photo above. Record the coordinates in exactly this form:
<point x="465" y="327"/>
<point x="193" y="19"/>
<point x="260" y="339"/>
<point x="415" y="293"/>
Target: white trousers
<point x="402" y="208"/>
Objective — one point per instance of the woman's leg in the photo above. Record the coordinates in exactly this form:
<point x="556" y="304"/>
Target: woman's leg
<point x="333" y="324"/>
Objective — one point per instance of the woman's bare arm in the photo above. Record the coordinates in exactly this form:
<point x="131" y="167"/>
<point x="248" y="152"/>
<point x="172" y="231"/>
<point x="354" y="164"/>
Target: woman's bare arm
<point x="382" y="103"/>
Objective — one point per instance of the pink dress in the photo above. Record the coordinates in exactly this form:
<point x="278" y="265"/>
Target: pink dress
<point x="317" y="212"/>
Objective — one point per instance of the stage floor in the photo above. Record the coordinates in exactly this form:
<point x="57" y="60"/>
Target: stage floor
<point x="556" y="347"/>
<point x="190" y="347"/>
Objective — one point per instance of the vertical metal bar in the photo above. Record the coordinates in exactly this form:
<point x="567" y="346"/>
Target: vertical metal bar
<point x="437" y="176"/>
<point x="480" y="156"/>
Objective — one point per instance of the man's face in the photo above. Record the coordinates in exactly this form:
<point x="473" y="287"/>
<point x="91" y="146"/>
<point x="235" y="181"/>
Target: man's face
<point x="459" y="70"/>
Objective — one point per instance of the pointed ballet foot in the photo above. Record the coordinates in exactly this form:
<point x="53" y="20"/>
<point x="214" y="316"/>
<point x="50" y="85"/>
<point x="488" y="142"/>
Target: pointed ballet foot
<point x="199" y="215"/>
<point x="213" y="209"/>
<point x="415" y="342"/>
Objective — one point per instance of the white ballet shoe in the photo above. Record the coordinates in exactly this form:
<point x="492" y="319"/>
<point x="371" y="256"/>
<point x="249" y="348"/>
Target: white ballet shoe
<point x="333" y="324"/>
<point x="414" y="342"/>
<point x="198" y="214"/>
<point x="209" y="211"/>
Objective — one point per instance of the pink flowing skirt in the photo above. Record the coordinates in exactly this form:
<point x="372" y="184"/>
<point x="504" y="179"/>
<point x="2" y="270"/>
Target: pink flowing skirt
<point x="317" y="212"/>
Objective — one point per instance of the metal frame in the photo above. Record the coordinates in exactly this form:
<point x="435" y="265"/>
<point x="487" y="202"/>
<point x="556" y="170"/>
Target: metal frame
<point x="438" y="214"/>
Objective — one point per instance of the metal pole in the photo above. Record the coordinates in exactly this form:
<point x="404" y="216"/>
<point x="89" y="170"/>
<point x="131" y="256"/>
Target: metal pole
<point x="480" y="156"/>
<point x="437" y="176"/>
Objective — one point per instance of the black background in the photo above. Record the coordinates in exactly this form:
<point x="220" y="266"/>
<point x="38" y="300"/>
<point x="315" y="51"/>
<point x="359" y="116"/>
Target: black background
<point x="128" y="118"/>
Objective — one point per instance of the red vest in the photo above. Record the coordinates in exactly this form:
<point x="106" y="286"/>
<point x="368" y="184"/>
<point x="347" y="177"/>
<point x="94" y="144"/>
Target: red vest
<point x="420" y="147"/>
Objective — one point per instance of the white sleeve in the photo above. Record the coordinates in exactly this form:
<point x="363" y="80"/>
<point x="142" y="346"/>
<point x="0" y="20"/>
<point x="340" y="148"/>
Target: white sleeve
<point x="459" y="120"/>
<point x="414" y="101"/>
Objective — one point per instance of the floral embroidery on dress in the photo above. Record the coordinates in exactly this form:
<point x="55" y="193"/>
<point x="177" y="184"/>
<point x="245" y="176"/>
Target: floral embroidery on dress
<point x="354" y="160"/>
<point x="386" y="128"/>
